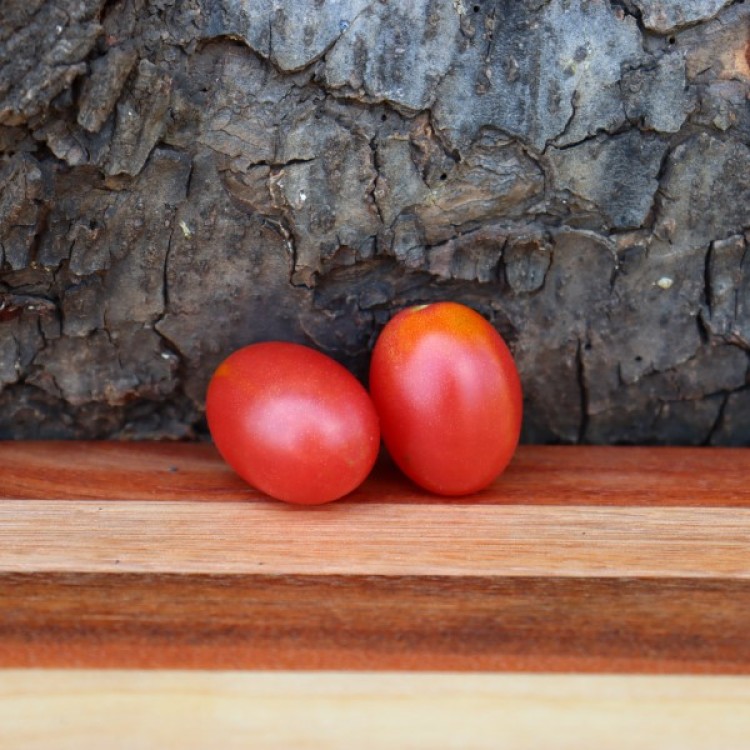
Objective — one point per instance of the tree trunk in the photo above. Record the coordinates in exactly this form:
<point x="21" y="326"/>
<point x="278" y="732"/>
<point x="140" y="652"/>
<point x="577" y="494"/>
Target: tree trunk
<point x="178" y="179"/>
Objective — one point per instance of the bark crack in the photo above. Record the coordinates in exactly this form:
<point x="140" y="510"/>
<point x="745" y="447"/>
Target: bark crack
<point x="633" y="11"/>
<point x="583" y="390"/>
<point x="373" y="188"/>
<point x="659" y="194"/>
<point x="719" y="421"/>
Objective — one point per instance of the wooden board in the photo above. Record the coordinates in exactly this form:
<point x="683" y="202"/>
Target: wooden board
<point x="577" y="559"/>
<point x="339" y="711"/>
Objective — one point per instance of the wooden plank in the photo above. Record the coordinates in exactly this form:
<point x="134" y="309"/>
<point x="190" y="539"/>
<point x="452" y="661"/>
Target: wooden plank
<point x="375" y="622"/>
<point x="133" y="569"/>
<point x="116" y="470"/>
<point x="87" y="710"/>
<point x="538" y="475"/>
<point x="270" y="538"/>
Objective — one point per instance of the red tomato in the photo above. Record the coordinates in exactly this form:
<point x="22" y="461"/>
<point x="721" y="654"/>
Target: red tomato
<point x="292" y="422"/>
<point x="448" y="396"/>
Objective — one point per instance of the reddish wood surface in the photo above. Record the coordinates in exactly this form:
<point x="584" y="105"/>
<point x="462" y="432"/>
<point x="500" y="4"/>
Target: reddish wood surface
<point x="577" y="559"/>
<point x="376" y="623"/>
<point x="543" y="475"/>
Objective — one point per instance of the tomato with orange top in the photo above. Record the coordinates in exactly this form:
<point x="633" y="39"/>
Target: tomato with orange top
<point x="448" y="395"/>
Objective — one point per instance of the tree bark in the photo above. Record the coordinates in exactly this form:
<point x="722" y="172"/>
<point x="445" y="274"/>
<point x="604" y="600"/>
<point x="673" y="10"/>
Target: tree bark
<point x="178" y="179"/>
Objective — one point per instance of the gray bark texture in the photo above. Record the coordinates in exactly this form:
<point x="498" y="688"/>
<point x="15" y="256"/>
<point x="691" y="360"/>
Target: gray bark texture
<point x="181" y="178"/>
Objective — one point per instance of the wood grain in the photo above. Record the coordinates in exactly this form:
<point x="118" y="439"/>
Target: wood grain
<point x="82" y="710"/>
<point x="538" y="475"/>
<point x="270" y="538"/>
<point x="358" y="622"/>
<point x="141" y="567"/>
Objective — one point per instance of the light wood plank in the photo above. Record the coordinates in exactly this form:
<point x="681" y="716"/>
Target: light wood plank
<point x="372" y="539"/>
<point x="326" y="711"/>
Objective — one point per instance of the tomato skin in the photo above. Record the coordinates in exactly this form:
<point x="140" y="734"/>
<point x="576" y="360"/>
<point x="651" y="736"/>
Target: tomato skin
<point x="292" y="422"/>
<point x="448" y="396"/>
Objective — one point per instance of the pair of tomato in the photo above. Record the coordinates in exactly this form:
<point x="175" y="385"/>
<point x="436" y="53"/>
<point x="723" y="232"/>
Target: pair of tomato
<point x="444" y="393"/>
